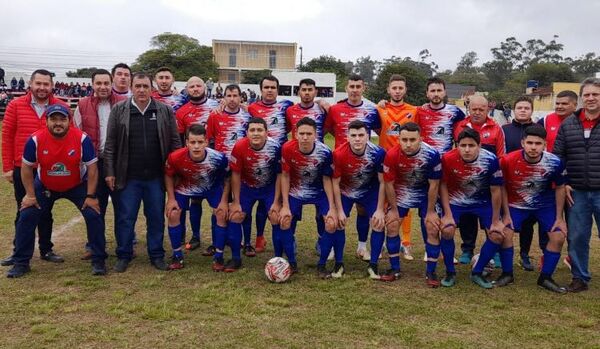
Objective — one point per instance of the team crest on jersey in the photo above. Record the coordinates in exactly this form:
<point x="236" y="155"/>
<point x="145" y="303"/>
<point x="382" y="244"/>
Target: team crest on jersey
<point x="45" y="152"/>
<point x="59" y="169"/>
<point x="486" y="135"/>
<point x="394" y="129"/>
<point x="71" y="152"/>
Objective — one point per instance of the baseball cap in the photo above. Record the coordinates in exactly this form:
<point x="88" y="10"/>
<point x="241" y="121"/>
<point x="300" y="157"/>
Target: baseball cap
<point x="57" y="108"/>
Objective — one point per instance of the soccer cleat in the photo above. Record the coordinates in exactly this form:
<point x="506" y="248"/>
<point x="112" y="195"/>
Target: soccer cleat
<point x="465" y="257"/>
<point x="497" y="263"/>
<point x="98" y="268"/>
<point x="232" y="265"/>
<point x="18" y="270"/>
<point x="480" y="281"/>
<point x="449" y="280"/>
<point x="323" y="273"/>
<point x="503" y="280"/>
<point x="261" y="244"/>
<point x="210" y="251"/>
<point x="249" y="251"/>
<point x="432" y="280"/>
<point x="294" y="267"/>
<point x="193" y="244"/>
<point x="551" y="285"/>
<point x="218" y="265"/>
<point x="406" y="253"/>
<point x="363" y="254"/>
<point x="176" y="263"/>
<point x="390" y="275"/>
<point x="338" y="271"/>
<point x="373" y="272"/>
<point x="567" y="261"/>
<point x="526" y="263"/>
<point x="86" y="256"/>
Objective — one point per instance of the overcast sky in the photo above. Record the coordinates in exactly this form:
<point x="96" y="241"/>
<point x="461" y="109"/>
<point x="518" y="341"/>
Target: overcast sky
<point x="65" y="35"/>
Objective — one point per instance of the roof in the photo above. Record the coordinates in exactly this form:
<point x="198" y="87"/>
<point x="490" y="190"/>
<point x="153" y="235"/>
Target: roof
<point x="457" y="91"/>
<point x="244" y="42"/>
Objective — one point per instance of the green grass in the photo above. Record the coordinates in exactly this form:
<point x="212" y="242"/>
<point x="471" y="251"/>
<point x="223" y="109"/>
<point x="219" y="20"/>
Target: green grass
<point x="64" y="306"/>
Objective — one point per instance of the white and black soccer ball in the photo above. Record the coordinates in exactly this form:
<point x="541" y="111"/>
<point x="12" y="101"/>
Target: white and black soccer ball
<point x="278" y="270"/>
<point x="488" y="268"/>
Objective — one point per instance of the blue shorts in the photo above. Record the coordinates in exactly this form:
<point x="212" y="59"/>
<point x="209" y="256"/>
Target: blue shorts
<point x="367" y="201"/>
<point x="321" y="206"/>
<point x="544" y="216"/>
<point x="249" y="196"/>
<point x="403" y="211"/>
<point x="484" y="213"/>
<point x="212" y="196"/>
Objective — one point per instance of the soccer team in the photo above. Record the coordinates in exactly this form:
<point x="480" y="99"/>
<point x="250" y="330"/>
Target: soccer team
<point x="126" y="141"/>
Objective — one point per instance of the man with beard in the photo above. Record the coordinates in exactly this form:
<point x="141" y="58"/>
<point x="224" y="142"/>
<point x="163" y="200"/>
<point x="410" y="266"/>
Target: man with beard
<point x="164" y="89"/>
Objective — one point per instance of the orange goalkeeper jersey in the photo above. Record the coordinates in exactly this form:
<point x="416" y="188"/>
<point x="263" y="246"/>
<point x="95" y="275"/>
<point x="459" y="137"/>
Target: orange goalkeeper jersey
<point x="392" y="117"/>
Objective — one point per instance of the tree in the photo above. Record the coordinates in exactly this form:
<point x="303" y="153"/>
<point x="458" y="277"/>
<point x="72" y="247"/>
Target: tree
<point x="254" y="76"/>
<point x="584" y="66"/>
<point x="328" y="64"/>
<point x="81" y="72"/>
<point x="182" y="54"/>
<point x="546" y="73"/>
<point x="367" y="69"/>
<point x="467" y="63"/>
<point x="415" y="82"/>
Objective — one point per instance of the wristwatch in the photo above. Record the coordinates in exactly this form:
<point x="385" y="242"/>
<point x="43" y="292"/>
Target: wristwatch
<point x="91" y="196"/>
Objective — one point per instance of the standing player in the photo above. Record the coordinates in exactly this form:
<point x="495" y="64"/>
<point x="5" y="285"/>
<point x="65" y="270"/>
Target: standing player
<point x="357" y="179"/>
<point x="305" y="180"/>
<point x="529" y="176"/>
<point x="121" y="74"/>
<point x="164" y="89"/>
<point x="472" y="184"/>
<point x="412" y="172"/>
<point x="224" y="129"/>
<point x="198" y="172"/>
<point x="307" y="91"/>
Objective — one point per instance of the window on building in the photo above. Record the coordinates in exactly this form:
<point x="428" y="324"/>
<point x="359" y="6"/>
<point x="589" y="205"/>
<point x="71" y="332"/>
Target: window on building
<point x="232" y="57"/>
<point x="272" y="59"/>
<point x="253" y="53"/>
<point x="231" y="77"/>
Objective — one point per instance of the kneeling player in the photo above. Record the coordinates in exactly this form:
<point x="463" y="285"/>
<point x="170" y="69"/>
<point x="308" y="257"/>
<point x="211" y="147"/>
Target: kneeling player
<point x="412" y="173"/>
<point x="197" y="172"/>
<point x="255" y="177"/>
<point x="305" y="180"/>
<point x="472" y="183"/>
<point x="357" y="179"/>
<point x="529" y="175"/>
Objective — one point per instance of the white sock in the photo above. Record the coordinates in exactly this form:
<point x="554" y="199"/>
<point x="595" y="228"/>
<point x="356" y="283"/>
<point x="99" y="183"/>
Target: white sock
<point x="362" y="245"/>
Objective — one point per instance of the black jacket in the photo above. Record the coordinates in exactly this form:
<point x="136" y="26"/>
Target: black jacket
<point x="513" y="133"/>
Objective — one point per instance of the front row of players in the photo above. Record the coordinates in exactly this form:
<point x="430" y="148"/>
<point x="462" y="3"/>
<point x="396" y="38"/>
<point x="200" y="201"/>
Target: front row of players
<point x="304" y="171"/>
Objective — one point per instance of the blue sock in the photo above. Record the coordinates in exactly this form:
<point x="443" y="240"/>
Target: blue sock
<point x="550" y="261"/>
<point x="247" y="229"/>
<point x="277" y="242"/>
<point x="362" y="227"/>
<point x="393" y="247"/>
<point x="195" y="216"/>
<point x="338" y="247"/>
<point x="377" y="239"/>
<point x="182" y="218"/>
<point x="488" y="250"/>
<point x="423" y="230"/>
<point x="213" y="224"/>
<point x="506" y="258"/>
<point x="219" y="241"/>
<point x="287" y="239"/>
<point x="175" y="236"/>
<point x="234" y="231"/>
<point x="326" y="243"/>
<point x="320" y="227"/>
<point x="433" y="252"/>
<point x="261" y="218"/>
<point x="447" y="247"/>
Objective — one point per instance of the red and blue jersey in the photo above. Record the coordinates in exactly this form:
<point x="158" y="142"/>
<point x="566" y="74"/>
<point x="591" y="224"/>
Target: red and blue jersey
<point x="61" y="162"/>
<point x="175" y="101"/>
<point x="297" y="112"/>
<point x="469" y="183"/>
<point x="551" y="123"/>
<point x="257" y="168"/>
<point x="226" y="128"/>
<point x="196" y="178"/>
<point x="306" y="171"/>
<point x="411" y="174"/>
<point x="529" y="186"/>
<point x="358" y="173"/>
<point x="274" y="115"/>
<point x="437" y="125"/>
<point x="343" y="113"/>
<point x="194" y="113"/>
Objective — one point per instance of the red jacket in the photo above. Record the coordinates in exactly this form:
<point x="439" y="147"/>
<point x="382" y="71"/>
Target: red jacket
<point x="90" y="123"/>
<point x="491" y="134"/>
<point x="20" y="122"/>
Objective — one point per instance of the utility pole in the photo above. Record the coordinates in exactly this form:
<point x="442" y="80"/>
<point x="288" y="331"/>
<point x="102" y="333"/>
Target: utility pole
<point x="300" y="57"/>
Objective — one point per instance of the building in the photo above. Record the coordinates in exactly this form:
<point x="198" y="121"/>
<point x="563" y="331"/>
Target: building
<point x="544" y="97"/>
<point x="235" y="57"/>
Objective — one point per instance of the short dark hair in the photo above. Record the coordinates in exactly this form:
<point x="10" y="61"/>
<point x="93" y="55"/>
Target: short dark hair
<point x="357" y="125"/>
<point x="196" y="130"/>
<point x="535" y="130"/>
<point x="120" y="65"/>
<point x="141" y="75"/>
<point x="307" y="81"/>
<point x="41" y="72"/>
<point x="435" y="80"/>
<point x="396" y="77"/>
<point x="233" y="87"/>
<point x="257" y="121"/>
<point x="161" y="69"/>
<point x="468" y="133"/>
<point x="523" y="99"/>
<point x="306" y="121"/>
<point x="568" y="94"/>
<point x="101" y="72"/>
<point x="355" y="77"/>
<point x="268" y="78"/>
<point x="410" y="127"/>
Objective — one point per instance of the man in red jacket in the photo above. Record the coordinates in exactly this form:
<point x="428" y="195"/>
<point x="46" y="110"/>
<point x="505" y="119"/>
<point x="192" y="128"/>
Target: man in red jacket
<point x="24" y="116"/>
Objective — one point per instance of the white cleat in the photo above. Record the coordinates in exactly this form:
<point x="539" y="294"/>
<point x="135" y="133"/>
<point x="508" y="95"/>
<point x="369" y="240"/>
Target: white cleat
<point x="406" y="253"/>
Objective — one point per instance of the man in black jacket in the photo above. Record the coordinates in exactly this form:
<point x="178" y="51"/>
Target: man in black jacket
<point x="578" y="145"/>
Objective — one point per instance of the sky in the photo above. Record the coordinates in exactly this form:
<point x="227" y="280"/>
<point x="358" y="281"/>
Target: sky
<point x="66" y="35"/>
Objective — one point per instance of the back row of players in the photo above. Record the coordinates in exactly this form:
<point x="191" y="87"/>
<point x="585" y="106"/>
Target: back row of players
<point x="420" y="166"/>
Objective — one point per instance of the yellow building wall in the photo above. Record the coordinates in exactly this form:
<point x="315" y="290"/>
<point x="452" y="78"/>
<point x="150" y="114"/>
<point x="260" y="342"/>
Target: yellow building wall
<point x="547" y="102"/>
<point x="255" y="55"/>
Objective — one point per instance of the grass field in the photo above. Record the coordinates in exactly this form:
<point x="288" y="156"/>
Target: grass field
<point x="64" y="306"/>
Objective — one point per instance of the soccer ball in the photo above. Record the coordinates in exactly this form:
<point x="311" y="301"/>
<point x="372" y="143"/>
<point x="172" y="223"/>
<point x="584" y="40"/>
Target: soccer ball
<point x="278" y="270"/>
<point x="487" y="269"/>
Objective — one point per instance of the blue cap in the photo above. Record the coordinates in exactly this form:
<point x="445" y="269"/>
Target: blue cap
<point x="57" y="108"/>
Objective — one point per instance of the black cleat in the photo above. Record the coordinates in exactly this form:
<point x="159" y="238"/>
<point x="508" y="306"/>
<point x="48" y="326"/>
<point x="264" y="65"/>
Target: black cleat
<point x="504" y="280"/>
<point x="551" y="285"/>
